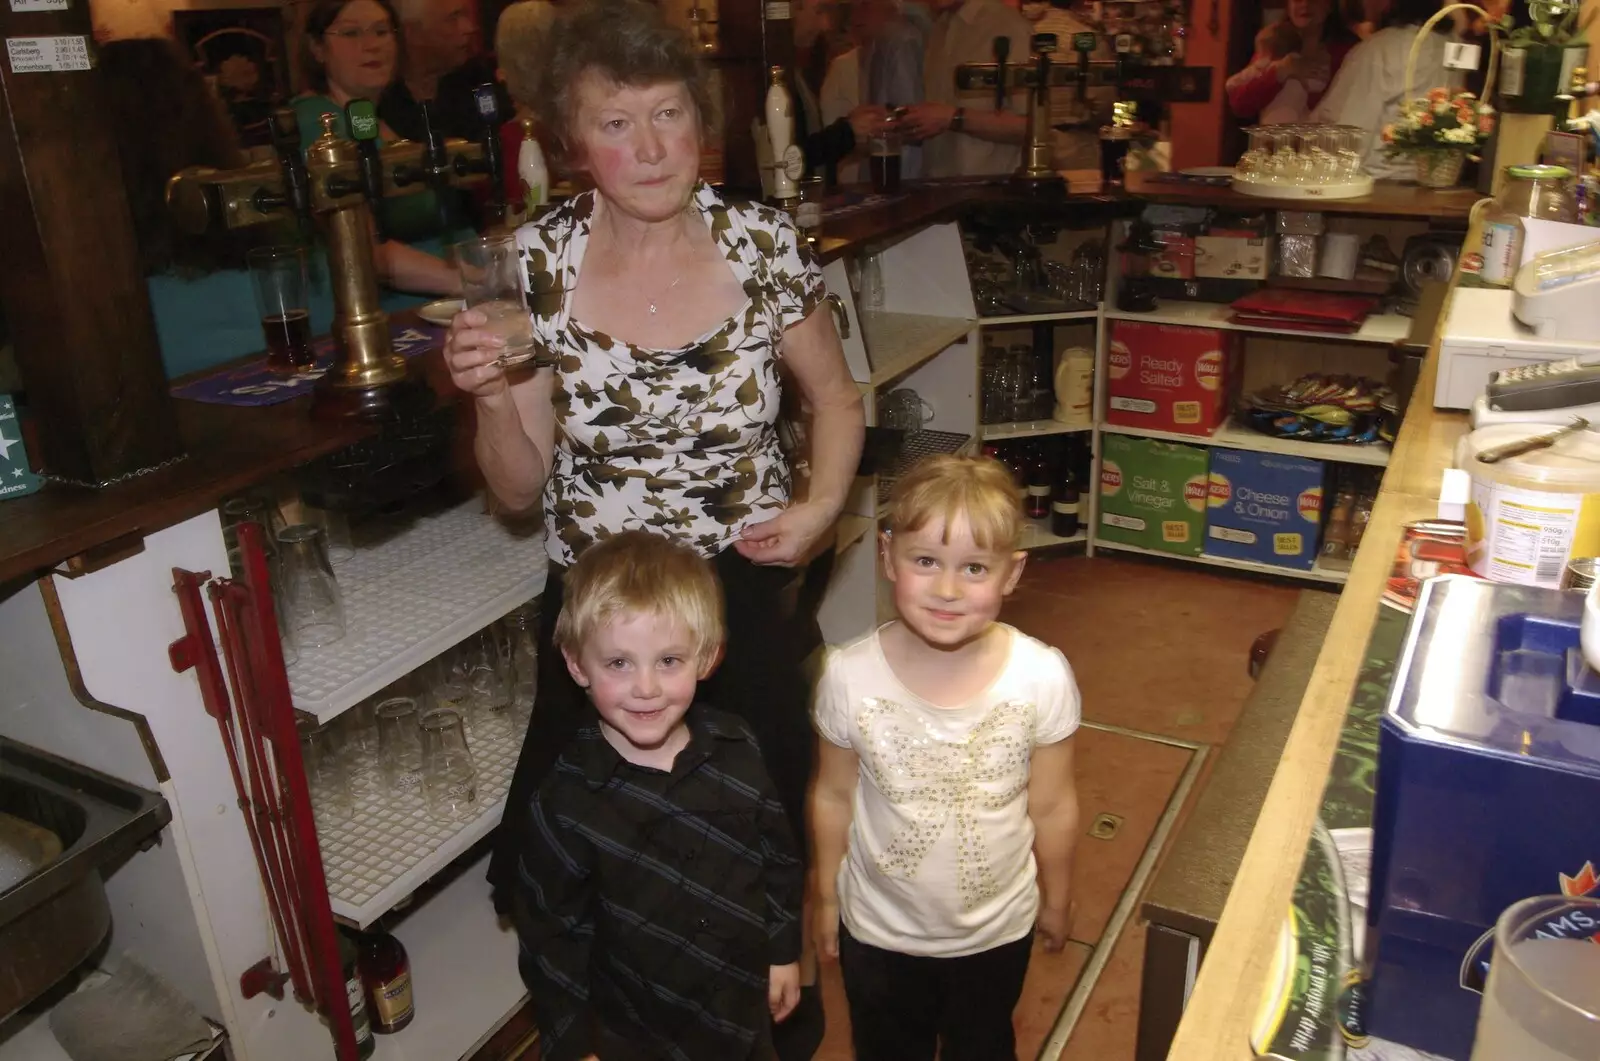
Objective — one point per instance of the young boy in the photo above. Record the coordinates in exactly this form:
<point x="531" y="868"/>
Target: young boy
<point x="944" y="811"/>
<point x="659" y="889"/>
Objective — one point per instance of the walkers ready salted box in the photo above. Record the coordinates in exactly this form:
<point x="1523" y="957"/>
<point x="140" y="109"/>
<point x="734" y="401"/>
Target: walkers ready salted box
<point x="1153" y="494"/>
<point x="1168" y="378"/>
<point x="1264" y="507"/>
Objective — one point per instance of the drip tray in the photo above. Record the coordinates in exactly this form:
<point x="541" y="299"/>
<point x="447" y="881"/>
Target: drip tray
<point x="61" y="824"/>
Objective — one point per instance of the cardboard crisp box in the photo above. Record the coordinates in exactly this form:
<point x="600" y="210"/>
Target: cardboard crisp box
<point x="1232" y="257"/>
<point x="1264" y="507"/>
<point x="1168" y="378"/>
<point x="16" y="477"/>
<point x="1153" y="494"/>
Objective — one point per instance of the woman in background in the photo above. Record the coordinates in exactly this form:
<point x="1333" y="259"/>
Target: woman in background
<point x="351" y="50"/>
<point x="1285" y="86"/>
<point x="1367" y="90"/>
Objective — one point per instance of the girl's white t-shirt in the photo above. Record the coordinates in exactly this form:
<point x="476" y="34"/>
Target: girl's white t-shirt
<point x="940" y="860"/>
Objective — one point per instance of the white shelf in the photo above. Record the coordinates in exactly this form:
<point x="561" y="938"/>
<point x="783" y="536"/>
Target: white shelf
<point x="1232" y="436"/>
<point x="392" y="846"/>
<point x="1036" y="535"/>
<point x="1031" y="429"/>
<point x="435" y="580"/>
<point x="463" y="973"/>
<point x="1381" y="328"/>
<point x="1038" y="318"/>
<point x="899" y="342"/>
<point x="1316" y="574"/>
<point x="27" y="1037"/>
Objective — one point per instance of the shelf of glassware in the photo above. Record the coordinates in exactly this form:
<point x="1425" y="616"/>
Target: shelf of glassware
<point x="412" y="590"/>
<point x="897" y="343"/>
<point x="392" y="845"/>
<point x="1314" y="574"/>
<point x="463" y="972"/>
<point x="1064" y="317"/>
<point x="1232" y="436"/>
<point x="1032" y="429"/>
<point x="1380" y="328"/>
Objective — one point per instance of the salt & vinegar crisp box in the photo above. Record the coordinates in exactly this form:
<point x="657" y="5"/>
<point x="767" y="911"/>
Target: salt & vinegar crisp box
<point x="1264" y="507"/>
<point x="1168" y="378"/>
<point x="1153" y="494"/>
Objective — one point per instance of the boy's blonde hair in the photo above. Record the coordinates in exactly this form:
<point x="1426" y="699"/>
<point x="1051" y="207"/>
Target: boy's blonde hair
<point x="641" y="573"/>
<point x="978" y="491"/>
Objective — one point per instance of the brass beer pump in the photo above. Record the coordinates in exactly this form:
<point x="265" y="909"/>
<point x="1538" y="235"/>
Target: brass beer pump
<point x="336" y="187"/>
<point x="1037" y="176"/>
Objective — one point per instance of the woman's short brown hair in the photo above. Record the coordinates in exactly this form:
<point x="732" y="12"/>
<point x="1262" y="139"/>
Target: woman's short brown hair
<point x="322" y="15"/>
<point x="626" y="42"/>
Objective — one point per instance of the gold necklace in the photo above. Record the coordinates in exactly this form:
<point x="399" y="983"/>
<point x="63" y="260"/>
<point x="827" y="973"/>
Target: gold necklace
<point x="665" y="293"/>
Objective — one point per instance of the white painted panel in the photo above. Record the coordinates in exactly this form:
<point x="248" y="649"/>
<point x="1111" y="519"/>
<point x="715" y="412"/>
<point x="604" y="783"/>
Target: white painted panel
<point x="926" y="274"/>
<point x="37" y="706"/>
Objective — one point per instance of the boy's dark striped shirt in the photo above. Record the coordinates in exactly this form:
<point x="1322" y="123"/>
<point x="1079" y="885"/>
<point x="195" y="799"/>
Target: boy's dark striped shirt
<point x="653" y="903"/>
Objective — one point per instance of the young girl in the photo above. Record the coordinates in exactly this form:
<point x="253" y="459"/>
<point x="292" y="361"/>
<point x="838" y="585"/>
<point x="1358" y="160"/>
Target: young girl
<point x="944" y="812"/>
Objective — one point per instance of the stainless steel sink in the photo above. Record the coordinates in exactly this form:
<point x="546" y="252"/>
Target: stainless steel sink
<point x="54" y="918"/>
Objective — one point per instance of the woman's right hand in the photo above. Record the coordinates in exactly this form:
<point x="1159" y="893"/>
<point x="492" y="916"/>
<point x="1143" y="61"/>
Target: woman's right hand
<point x="470" y="354"/>
<point x="825" y="927"/>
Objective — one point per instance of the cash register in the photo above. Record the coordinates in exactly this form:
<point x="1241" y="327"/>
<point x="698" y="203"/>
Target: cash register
<point x="1488" y="791"/>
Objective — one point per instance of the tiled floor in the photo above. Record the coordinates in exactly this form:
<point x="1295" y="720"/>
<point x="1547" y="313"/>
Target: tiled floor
<point x="1159" y="649"/>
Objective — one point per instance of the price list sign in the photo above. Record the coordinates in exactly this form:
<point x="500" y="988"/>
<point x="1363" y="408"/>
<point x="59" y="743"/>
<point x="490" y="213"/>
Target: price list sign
<point x="42" y="55"/>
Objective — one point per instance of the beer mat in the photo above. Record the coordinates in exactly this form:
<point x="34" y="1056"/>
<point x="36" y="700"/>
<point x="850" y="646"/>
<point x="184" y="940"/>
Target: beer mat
<point x="253" y="384"/>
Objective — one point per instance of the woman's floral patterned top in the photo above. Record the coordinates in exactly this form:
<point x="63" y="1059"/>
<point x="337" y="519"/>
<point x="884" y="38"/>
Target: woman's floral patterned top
<point x="680" y="442"/>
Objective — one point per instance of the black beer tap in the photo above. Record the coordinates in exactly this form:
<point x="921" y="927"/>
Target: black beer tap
<point x="491" y="164"/>
<point x="436" y="168"/>
<point x="361" y="118"/>
<point x="292" y="164"/>
<point x="1002" y="51"/>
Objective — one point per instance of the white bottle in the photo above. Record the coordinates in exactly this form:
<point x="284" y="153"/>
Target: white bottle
<point x="531" y="169"/>
<point x="780" y="130"/>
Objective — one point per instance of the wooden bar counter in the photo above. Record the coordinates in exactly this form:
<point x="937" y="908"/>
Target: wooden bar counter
<point x="1227" y="995"/>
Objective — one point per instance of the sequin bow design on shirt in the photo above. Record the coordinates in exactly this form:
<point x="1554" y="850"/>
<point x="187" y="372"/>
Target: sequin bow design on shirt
<point x="933" y="779"/>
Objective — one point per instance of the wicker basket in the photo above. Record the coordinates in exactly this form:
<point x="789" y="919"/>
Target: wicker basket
<point x="1442" y="168"/>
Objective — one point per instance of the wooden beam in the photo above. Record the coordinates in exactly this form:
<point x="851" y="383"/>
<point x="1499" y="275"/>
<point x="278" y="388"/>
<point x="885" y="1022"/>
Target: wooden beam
<point x="74" y="295"/>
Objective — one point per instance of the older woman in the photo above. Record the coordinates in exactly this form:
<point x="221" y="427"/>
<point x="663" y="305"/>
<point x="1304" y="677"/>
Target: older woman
<point x="674" y="314"/>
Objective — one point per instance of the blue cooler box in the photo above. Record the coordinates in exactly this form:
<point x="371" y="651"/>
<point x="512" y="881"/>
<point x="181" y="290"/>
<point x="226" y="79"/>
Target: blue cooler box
<point x="1264" y="507"/>
<point x="1488" y="792"/>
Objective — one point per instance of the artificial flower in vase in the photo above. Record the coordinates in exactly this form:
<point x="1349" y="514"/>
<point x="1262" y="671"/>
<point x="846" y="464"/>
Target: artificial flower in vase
<point x="1439" y="133"/>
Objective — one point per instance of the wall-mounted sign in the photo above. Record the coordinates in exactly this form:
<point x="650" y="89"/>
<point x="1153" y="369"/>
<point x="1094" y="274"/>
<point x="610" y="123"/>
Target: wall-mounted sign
<point x="43" y="55"/>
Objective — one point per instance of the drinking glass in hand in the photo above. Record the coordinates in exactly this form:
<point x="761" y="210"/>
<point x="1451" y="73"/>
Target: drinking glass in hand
<point x="279" y="277"/>
<point x="492" y="284"/>
<point x="449" y="777"/>
<point x="885" y="159"/>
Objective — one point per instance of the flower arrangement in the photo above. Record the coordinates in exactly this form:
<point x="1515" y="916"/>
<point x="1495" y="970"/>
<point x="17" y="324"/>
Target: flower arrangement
<point x="1441" y="122"/>
<point x="1552" y="22"/>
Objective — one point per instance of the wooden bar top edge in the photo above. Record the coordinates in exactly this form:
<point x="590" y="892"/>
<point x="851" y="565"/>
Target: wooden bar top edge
<point x="1227" y="995"/>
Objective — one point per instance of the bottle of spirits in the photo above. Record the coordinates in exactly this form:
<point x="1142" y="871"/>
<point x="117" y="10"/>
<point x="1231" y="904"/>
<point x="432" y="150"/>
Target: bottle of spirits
<point x="386" y="976"/>
<point x="1037" y="492"/>
<point x="1064" y="508"/>
<point x="357" y="995"/>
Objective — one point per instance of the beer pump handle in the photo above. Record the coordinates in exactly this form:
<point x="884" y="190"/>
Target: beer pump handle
<point x="489" y="112"/>
<point x="1002" y="50"/>
<point x="292" y="163"/>
<point x="361" y="118"/>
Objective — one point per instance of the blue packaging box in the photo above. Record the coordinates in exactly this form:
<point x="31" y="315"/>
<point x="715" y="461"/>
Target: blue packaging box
<point x="1264" y="507"/>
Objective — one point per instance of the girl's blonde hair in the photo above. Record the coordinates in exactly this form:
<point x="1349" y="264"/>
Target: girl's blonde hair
<point x="636" y="572"/>
<point x="977" y="491"/>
